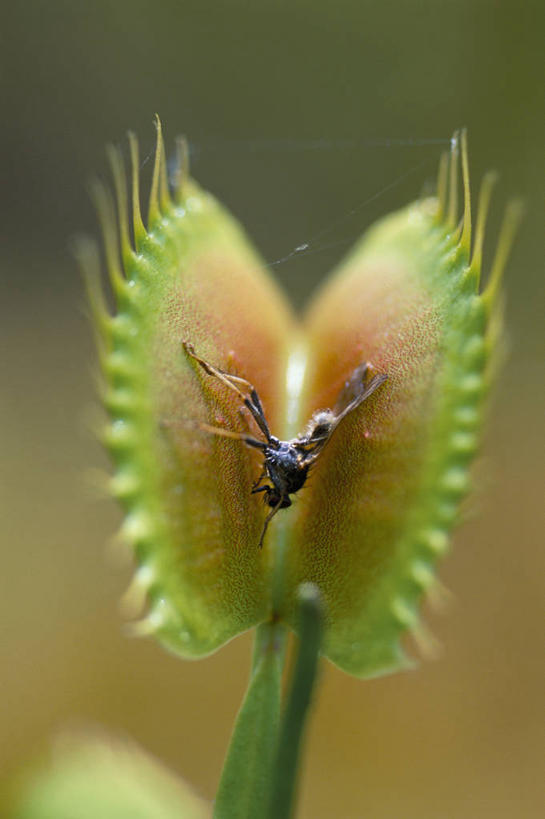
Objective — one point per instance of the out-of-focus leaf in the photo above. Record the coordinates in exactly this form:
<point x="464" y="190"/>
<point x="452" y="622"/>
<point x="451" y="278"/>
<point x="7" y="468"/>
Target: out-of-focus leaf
<point x="93" y="778"/>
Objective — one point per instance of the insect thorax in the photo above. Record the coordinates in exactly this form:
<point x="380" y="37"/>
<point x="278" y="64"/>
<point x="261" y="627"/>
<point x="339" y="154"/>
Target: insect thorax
<point x="286" y="467"/>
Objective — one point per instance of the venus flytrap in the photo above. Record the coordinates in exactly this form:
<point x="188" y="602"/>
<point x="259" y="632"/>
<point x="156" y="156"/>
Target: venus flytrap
<point x="363" y="537"/>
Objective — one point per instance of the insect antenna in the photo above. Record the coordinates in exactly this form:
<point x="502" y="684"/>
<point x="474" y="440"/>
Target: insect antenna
<point x="229" y="433"/>
<point x="224" y="433"/>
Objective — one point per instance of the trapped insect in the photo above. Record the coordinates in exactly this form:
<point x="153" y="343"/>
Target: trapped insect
<point x="286" y="463"/>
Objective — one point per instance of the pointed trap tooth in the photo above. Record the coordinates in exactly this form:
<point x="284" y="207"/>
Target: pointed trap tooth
<point x="124" y="484"/>
<point x="456" y="481"/>
<point x="465" y="239"/>
<point x="115" y="401"/>
<point x="463" y="443"/>
<point x="137" y="527"/>
<point x="181" y="171"/>
<point x="134" y="599"/>
<point x="435" y="540"/>
<point x="427" y="644"/>
<point x="442" y="187"/>
<point x="138" y="227"/>
<point x="474" y="352"/>
<point x="121" y="401"/>
<point x="105" y="208"/>
<point x="123" y="327"/>
<point x="404" y="613"/>
<point x="165" y="201"/>
<point x="510" y="225"/>
<point x="485" y="195"/>
<point x="439" y="597"/>
<point x="446" y="513"/>
<point x="452" y="212"/>
<point x="88" y="259"/>
<point x="146" y="627"/>
<point x="422" y="574"/>
<point x="471" y="386"/>
<point x="155" y="203"/>
<point x="117" y="166"/>
<point x="467" y="416"/>
<point x="153" y="622"/>
<point x="119" y="436"/>
<point x="119" y="364"/>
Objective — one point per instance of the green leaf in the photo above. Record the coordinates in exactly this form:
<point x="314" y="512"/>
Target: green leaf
<point x="246" y="779"/>
<point x="371" y="522"/>
<point x="191" y="518"/>
<point x="385" y="496"/>
<point x="91" y="778"/>
<point x="299" y="699"/>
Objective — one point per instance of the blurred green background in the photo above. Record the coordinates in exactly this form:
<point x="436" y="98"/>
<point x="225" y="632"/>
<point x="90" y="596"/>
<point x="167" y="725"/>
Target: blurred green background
<point x="297" y="113"/>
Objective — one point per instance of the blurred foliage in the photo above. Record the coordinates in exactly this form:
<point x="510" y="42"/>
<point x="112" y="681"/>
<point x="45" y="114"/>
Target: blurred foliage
<point x="91" y="777"/>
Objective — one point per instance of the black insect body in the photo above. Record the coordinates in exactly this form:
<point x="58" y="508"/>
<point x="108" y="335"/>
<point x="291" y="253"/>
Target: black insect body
<point x="286" y="463"/>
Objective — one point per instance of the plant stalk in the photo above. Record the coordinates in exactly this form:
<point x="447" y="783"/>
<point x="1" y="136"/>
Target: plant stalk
<point x="285" y="772"/>
<point x="245" y="782"/>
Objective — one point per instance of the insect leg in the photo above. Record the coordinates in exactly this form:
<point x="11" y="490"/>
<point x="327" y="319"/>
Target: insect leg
<point x="268" y="519"/>
<point x="250" y="398"/>
<point x="254" y="405"/>
<point x="257" y="483"/>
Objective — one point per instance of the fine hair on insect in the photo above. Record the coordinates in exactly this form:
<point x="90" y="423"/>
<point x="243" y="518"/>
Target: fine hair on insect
<point x="286" y="463"/>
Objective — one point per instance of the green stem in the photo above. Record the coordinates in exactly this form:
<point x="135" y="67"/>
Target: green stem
<point x="284" y="775"/>
<point x="244" y="787"/>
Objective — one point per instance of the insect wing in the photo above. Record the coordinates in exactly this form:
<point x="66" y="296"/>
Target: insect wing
<point x="370" y="388"/>
<point x="356" y="390"/>
<point x="352" y="388"/>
